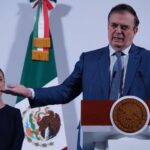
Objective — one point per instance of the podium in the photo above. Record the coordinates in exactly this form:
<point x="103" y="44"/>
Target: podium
<point x="96" y="125"/>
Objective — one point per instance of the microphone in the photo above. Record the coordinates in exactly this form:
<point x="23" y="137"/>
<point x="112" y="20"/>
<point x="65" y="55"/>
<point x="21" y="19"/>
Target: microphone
<point x="114" y="74"/>
<point x="140" y="74"/>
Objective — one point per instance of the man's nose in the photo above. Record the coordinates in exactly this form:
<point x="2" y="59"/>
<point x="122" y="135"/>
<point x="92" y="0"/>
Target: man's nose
<point x="118" y="29"/>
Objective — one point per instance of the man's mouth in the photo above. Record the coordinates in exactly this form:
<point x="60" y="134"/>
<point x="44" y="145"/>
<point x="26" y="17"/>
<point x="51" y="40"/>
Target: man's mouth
<point x="118" y="39"/>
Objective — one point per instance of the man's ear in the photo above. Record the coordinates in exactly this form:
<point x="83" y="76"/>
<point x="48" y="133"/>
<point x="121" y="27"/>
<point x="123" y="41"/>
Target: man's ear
<point x="135" y="30"/>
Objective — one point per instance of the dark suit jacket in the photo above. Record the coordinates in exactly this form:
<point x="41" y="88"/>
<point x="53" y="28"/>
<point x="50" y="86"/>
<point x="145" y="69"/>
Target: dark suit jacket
<point x="92" y="77"/>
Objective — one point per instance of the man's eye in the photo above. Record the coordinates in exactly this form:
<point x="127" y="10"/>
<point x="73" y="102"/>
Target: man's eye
<point x="124" y="27"/>
<point x="114" y="25"/>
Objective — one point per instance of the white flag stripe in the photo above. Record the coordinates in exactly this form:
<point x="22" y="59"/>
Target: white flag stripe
<point x="59" y="141"/>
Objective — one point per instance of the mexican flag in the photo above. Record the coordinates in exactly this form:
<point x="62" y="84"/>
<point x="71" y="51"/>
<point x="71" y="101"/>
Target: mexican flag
<point x="43" y="126"/>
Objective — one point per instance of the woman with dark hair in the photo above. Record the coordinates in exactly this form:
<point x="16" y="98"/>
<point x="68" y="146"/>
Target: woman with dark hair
<point x="11" y="129"/>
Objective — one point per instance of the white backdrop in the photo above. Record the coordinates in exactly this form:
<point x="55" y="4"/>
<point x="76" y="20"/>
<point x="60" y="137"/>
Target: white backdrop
<point x="76" y="25"/>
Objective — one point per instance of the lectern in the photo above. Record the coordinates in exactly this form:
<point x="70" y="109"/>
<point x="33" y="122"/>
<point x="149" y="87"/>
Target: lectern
<point x="95" y="122"/>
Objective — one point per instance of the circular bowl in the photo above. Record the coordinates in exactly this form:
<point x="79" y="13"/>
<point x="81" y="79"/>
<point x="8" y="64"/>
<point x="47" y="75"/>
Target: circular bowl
<point x="129" y="115"/>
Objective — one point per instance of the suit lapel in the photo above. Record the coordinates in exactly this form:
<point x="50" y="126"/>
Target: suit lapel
<point x="133" y="63"/>
<point x="104" y="63"/>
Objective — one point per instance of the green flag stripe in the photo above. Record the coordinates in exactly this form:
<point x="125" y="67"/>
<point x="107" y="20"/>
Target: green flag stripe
<point x="37" y="73"/>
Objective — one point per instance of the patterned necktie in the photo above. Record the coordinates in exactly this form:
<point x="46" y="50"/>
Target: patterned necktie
<point x="115" y="89"/>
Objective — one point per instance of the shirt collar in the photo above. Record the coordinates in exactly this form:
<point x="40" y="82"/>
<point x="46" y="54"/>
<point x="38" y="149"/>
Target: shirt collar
<point x="125" y="51"/>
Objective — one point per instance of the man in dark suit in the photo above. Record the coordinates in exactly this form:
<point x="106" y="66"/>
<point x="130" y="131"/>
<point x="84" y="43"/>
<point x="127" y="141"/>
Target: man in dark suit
<point x="94" y="72"/>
